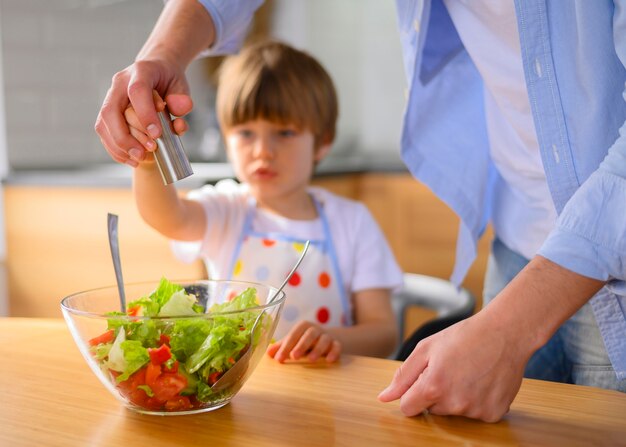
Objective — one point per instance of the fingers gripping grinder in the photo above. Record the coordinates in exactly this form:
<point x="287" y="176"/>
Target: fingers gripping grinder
<point x="170" y="155"/>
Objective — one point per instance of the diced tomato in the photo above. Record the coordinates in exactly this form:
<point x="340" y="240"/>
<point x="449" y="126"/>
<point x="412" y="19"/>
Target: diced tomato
<point x="168" y="385"/>
<point x="131" y="384"/>
<point x="138" y="397"/>
<point x="178" y="403"/>
<point x="171" y="369"/>
<point x="152" y="373"/>
<point x="133" y="311"/>
<point x="160" y="355"/>
<point x="231" y="360"/>
<point x="152" y="403"/>
<point x="106" y="337"/>
<point x="213" y="377"/>
<point x="164" y="340"/>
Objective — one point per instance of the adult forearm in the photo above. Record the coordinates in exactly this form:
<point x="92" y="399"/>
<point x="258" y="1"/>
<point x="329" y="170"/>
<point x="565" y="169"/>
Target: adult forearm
<point x="538" y="300"/>
<point x="183" y="29"/>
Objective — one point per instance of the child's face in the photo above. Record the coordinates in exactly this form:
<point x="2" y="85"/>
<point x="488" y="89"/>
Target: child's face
<point x="274" y="159"/>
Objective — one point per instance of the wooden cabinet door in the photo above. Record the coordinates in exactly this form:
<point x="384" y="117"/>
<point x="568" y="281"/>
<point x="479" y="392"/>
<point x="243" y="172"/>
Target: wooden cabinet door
<point x="57" y="245"/>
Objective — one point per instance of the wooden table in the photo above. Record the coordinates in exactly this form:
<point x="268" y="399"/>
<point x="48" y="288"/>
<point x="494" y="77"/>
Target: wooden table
<point x="49" y="397"/>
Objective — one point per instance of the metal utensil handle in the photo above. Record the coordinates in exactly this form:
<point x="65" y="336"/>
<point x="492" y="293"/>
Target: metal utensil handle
<point x="115" y="254"/>
<point x="293" y="270"/>
<point x="170" y="155"/>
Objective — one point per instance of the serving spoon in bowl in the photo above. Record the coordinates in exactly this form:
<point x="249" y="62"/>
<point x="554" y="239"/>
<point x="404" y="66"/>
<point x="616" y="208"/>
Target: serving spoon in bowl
<point x="237" y="371"/>
<point x="115" y="254"/>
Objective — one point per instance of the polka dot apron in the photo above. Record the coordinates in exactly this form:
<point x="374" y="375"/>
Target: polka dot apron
<point x="315" y="292"/>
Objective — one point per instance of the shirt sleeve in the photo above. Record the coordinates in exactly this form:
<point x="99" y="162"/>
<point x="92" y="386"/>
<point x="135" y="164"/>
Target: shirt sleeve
<point x="224" y="208"/>
<point x="590" y="234"/>
<point x="231" y="19"/>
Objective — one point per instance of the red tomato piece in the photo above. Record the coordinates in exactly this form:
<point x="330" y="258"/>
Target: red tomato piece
<point x="168" y="385"/>
<point x="152" y="373"/>
<point x="164" y="340"/>
<point x="178" y="403"/>
<point x="160" y="355"/>
<point x="106" y="337"/>
<point x="138" y="397"/>
<point x="130" y="384"/>
<point x="173" y="369"/>
<point x="213" y="377"/>
<point x="152" y="403"/>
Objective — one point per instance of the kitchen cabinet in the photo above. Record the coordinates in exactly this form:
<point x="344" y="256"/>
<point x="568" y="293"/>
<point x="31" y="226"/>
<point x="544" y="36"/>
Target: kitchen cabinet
<point x="57" y="243"/>
<point x="420" y="228"/>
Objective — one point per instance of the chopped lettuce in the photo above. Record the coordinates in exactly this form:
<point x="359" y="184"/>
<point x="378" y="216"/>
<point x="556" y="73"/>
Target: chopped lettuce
<point x="152" y="304"/>
<point x="126" y="356"/>
<point x="179" y="304"/>
<point x="116" y="360"/>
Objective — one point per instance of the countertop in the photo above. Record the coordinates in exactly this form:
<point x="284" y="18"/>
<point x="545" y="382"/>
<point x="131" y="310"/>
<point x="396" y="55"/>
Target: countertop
<point x="116" y="175"/>
<point x="51" y="398"/>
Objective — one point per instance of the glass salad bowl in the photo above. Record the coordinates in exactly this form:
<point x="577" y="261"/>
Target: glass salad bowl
<point x="174" y="340"/>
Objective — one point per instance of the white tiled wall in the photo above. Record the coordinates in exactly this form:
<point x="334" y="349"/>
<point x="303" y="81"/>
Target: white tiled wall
<point x="358" y="42"/>
<point x="59" y="56"/>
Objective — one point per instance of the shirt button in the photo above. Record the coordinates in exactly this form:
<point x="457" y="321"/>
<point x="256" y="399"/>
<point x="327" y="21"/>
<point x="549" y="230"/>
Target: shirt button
<point x="538" y="69"/>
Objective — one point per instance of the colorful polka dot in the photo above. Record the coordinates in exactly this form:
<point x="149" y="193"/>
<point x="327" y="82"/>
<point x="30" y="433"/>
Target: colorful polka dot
<point x="268" y="242"/>
<point x="231" y="295"/>
<point x="262" y="273"/>
<point x="290" y="313"/>
<point x="298" y="246"/>
<point x="238" y="267"/>
<point x="295" y="280"/>
<point x="323" y="315"/>
<point x="324" y="280"/>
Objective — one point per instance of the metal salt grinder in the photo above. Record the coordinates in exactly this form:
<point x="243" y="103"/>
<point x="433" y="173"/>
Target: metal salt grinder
<point x="170" y="155"/>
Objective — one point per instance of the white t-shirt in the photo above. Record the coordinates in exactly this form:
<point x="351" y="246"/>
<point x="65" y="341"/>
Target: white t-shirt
<point x="364" y="257"/>
<point x="523" y="213"/>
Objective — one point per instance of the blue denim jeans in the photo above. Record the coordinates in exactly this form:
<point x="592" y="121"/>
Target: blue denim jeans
<point x="576" y="352"/>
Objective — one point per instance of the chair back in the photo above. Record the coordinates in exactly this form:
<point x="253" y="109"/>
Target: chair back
<point x="451" y="303"/>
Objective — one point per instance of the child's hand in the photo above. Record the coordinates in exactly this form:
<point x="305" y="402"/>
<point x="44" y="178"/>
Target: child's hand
<point x="306" y="339"/>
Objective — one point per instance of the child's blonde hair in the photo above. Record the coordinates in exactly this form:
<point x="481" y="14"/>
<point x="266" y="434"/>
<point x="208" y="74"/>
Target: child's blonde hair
<point x="273" y="81"/>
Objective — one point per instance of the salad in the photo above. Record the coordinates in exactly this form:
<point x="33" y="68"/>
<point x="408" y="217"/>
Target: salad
<point x="169" y="364"/>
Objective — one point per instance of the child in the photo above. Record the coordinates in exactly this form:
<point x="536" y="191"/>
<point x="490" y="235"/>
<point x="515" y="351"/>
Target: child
<point x="277" y="109"/>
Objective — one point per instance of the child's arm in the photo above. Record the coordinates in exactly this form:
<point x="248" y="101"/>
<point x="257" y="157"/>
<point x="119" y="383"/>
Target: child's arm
<point x="375" y="331"/>
<point x="373" y="334"/>
<point x="158" y="204"/>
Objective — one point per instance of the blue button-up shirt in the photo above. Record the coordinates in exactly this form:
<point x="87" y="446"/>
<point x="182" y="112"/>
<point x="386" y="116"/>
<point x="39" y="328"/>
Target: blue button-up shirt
<point x="573" y="57"/>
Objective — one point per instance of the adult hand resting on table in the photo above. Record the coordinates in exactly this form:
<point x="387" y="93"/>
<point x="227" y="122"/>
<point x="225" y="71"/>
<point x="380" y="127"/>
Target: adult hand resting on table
<point x="475" y="367"/>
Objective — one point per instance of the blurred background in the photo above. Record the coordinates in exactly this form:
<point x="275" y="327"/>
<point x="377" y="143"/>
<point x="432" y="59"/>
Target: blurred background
<point x="57" y="58"/>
